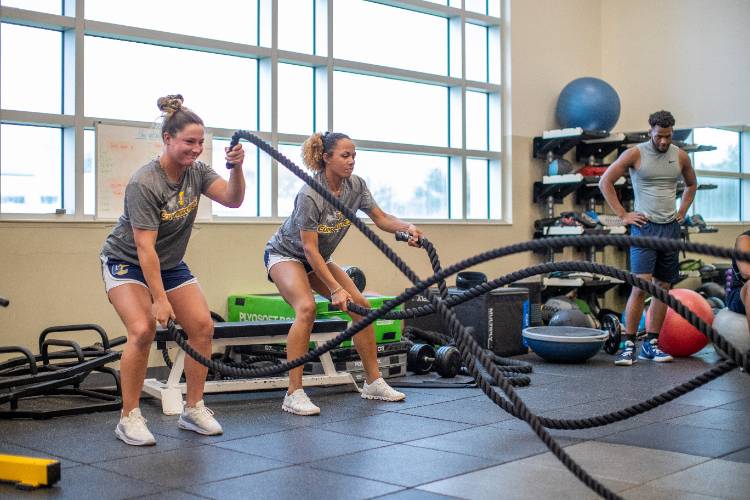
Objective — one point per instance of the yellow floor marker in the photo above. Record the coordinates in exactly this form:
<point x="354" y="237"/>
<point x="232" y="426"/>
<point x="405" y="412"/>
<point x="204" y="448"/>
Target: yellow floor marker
<point x="28" y="472"/>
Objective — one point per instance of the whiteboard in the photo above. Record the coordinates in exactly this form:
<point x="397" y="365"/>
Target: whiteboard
<point x="120" y="151"/>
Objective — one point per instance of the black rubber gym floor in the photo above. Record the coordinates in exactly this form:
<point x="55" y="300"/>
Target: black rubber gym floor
<point x="440" y="443"/>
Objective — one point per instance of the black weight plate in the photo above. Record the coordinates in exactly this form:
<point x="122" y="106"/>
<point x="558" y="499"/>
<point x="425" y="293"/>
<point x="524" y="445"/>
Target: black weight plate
<point x="611" y="323"/>
<point x="448" y="361"/>
<point x="420" y="358"/>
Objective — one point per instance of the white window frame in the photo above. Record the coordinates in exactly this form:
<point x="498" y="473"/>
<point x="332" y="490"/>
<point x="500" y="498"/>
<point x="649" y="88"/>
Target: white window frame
<point x="73" y="122"/>
<point x="740" y="176"/>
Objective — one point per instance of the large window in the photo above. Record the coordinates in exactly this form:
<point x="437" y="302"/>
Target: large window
<point x="296" y="29"/>
<point x="31" y="75"/>
<point x="30" y="159"/>
<point x="48" y="6"/>
<point x="421" y="187"/>
<point x="389" y="110"/>
<point x="114" y="90"/>
<point x="379" y="34"/>
<point x="721" y="170"/>
<point x="721" y="203"/>
<point x="289" y="184"/>
<point x="227" y="20"/>
<point x="417" y="85"/>
<point x="296" y="99"/>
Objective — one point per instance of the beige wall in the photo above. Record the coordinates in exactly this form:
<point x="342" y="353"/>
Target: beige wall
<point x="50" y="271"/>
<point x="51" y="274"/>
<point x="549" y="49"/>
<point x="687" y="56"/>
<point x="552" y="43"/>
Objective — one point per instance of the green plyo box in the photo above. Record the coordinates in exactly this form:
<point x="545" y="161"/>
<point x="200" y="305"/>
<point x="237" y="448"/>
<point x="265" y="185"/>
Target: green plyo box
<point x="274" y="307"/>
<point x="265" y="307"/>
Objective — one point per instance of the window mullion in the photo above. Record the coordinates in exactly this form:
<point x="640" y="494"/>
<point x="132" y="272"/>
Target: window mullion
<point x="73" y="121"/>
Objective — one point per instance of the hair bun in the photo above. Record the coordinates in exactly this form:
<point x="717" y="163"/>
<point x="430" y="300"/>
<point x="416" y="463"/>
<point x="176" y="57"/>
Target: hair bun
<point x="170" y="104"/>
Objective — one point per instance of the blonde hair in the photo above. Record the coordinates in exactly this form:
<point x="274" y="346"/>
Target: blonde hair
<point x="318" y="145"/>
<point x="175" y="115"/>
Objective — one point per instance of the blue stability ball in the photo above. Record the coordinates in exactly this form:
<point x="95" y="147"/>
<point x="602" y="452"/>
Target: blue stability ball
<point x="589" y="103"/>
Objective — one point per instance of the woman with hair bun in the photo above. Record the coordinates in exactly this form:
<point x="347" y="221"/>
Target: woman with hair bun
<point x="298" y="260"/>
<point x="144" y="275"/>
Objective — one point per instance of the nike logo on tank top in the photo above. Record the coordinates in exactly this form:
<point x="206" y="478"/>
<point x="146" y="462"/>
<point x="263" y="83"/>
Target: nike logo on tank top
<point x="655" y="182"/>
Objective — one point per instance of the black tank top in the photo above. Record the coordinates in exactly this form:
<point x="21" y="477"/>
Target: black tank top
<point x="737" y="280"/>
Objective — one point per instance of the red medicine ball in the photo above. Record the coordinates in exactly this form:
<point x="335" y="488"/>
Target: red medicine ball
<point x="678" y="337"/>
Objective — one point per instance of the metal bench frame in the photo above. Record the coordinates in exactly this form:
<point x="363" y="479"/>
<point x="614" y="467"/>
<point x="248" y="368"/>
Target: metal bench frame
<point x="244" y="333"/>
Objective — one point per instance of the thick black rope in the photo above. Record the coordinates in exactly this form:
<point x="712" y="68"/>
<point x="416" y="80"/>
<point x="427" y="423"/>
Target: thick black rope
<point x="627" y="277"/>
<point x="661" y="294"/>
<point x="559" y="242"/>
<point x="512" y="373"/>
<point x="467" y="345"/>
<point x="481" y="289"/>
<point x="515" y="367"/>
<point x="422" y="286"/>
<point x="656" y="291"/>
<point x="471" y="350"/>
<point x="165" y="357"/>
<point x="474" y="357"/>
<point x="465" y="339"/>
<point x="428" y="336"/>
<point x="435" y="263"/>
<point x="504" y="364"/>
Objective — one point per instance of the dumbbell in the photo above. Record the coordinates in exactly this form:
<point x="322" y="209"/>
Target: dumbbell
<point x="448" y="361"/>
<point x="422" y="358"/>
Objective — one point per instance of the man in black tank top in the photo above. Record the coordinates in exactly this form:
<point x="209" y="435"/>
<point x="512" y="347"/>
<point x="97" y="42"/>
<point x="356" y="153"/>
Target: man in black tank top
<point x="739" y="293"/>
<point x="655" y="168"/>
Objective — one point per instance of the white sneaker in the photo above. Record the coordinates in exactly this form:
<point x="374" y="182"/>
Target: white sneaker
<point x="299" y="404"/>
<point x="132" y="429"/>
<point x="379" y="389"/>
<point x="200" y="419"/>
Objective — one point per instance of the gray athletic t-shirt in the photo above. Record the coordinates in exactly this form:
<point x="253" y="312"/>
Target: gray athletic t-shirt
<point x="153" y="202"/>
<point x="313" y="213"/>
<point x="655" y="182"/>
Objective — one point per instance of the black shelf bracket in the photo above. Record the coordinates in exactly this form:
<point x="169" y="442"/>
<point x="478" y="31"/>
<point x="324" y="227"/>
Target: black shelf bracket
<point x="558" y="146"/>
<point x="597" y="149"/>
<point x="558" y="191"/>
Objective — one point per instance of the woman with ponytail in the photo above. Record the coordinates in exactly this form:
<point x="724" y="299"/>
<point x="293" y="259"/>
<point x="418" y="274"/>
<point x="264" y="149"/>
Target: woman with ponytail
<point x="298" y="260"/>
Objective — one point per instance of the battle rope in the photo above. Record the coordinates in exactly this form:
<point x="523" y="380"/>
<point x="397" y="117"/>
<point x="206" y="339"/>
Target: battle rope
<point x="471" y="352"/>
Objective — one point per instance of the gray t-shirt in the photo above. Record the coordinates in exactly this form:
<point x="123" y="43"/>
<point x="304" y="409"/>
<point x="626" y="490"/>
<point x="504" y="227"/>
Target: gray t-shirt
<point x="154" y="203"/>
<point x="313" y="213"/>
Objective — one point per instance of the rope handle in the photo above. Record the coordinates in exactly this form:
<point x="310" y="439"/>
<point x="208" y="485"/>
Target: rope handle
<point x="405" y="236"/>
<point x="235" y="140"/>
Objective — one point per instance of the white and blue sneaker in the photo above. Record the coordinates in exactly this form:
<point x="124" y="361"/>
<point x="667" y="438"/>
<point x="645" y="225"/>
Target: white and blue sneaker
<point x="379" y="389"/>
<point x="132" y="429"/>
<point x="627" y="355"/>
<point x="200" y="419"/>
<point x="299" y="403"/>
<point x="650" y="350"/>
